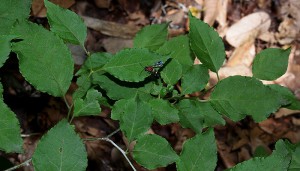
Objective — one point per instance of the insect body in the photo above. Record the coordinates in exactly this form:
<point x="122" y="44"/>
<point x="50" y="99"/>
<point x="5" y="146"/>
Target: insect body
<point x="154" y="68"/>
<point x="158" y="64"/>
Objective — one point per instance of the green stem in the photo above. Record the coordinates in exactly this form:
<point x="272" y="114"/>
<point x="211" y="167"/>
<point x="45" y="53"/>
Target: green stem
<point x="25" y="163"/>
<point x="66" y="102"/>
<point x="69" y="112"/>
<point x="218" y="76"/>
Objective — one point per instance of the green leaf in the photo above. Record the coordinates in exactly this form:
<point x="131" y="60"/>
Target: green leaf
<point x="10" y="134"/>
<point x="88" y="106"/>
<point x="11" y="11"/>
<point x="211" y="116"/>
<point x="153" y="151"/>
<point x="94" y="63"/>
<point x="151" y="37"/>
<point x="129" y="64"/>
<point x="206" y="44"/>
<point x="238" y="96"/>
<point x="6" y="25"/>
<point x="199" y="153"/>
<point x="15" y="9"/>
<point x="287" y="94"/>
<point x="172" y="72"/>
<point x="60" y="149"/>
<point x="66" y="24"/>
<point x="136" y="119"/>
<point x="261" y="151"/>
<point x="118" y="109"/>
<point x="5" y="47"/>
<point x="163" y="112"/>
<point x="44" y="59"/>
<point x="178" y="48"/>
<point x="270" y="63"/>
<point x="295" y="162"/>
<point x="116" y="89"/>
<point x="278" y="161"/>
<point x="84" y="83"/>
<point x="195" y="79"/>
<point x="189" y="115"/>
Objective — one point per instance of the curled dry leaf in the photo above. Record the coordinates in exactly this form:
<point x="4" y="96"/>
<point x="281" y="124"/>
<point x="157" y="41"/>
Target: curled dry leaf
<point x="222" y="16"/>
<point x="109" y="28"/>
<point x="288" y="31"/>
<point x="244" y="54"/>
<point x="249" y="26"/>
<point x="212" y="8"/>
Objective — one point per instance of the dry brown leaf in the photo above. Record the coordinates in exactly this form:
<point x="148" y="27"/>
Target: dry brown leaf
<point x="114" y="45"/>
<point x="114" y="29"/>
<point x="249" y="26"/>
<point x="288" y="31"/>
<point x="222" y="16"/>
<point x="291" y="78"/>
<point x="285" y="112"/>
<point x="39" y="10"/>
<point x="244" y="54"/>
<point x="212" y="8"/>
<point x="102" y="3"/>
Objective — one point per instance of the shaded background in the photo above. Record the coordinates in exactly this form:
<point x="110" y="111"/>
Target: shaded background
<point x="246" y="26"/>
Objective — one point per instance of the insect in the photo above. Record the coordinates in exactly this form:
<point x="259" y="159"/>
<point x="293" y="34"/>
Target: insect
<point x="154" y="68"/>
<point x="158" y="64"/>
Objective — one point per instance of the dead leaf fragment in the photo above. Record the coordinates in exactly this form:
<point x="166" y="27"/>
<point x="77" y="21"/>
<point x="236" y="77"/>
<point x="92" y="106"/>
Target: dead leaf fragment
<point x="102" y="3"/>
<point x="222" y="16"/>
<point x="249" y="26"/>
<point x="113" y="45"/>
<point x="243" y="55"/>
<point x="39" y="10"/>
<point x="212" y="8"/>
<point x="109" y="28"/>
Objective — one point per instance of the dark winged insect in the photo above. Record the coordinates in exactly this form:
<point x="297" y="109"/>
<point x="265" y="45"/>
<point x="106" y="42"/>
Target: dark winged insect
<point x="154" y="69"/>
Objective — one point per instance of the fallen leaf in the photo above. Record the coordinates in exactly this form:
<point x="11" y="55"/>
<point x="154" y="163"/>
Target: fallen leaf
<point x="222" y="16"/>
<point x="39" y="10"/>
<point x="109" y="28"/>
<point x="244" y="54"/>
<point x="249" y="26"/>
<point x="114" y="45"/>
<point x="211" y="10"/>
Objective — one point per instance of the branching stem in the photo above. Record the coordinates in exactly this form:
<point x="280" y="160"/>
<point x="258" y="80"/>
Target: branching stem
<point x="114" y="144"/>
<point x="25" y="163"/>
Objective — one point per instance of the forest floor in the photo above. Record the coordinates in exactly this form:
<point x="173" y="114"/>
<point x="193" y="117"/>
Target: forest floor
<point x="246" y="26"/>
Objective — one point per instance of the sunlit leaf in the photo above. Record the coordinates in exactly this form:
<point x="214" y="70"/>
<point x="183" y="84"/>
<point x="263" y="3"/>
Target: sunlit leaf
<point x="270" y="63"/>
<point x="206" y="44"/>
<point x="238" y="96"/>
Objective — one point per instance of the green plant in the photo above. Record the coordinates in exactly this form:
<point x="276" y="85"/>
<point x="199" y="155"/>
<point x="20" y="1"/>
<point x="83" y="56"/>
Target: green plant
<point x="138" y="97"/>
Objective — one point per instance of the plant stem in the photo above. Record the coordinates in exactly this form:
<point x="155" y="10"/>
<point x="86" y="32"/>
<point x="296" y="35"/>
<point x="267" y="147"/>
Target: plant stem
<point x="69" y="112"/>
<point x="66" y="102"/>
<point x="20" y="165"/>
<point x="113" y="133"/>
<point x="218" y="76"/>
<point x="114" y="144"/>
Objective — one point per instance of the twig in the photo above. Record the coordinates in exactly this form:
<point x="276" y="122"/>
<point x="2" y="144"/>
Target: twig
<point x="114" y="144"/>
<point x="20" y="165"/>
